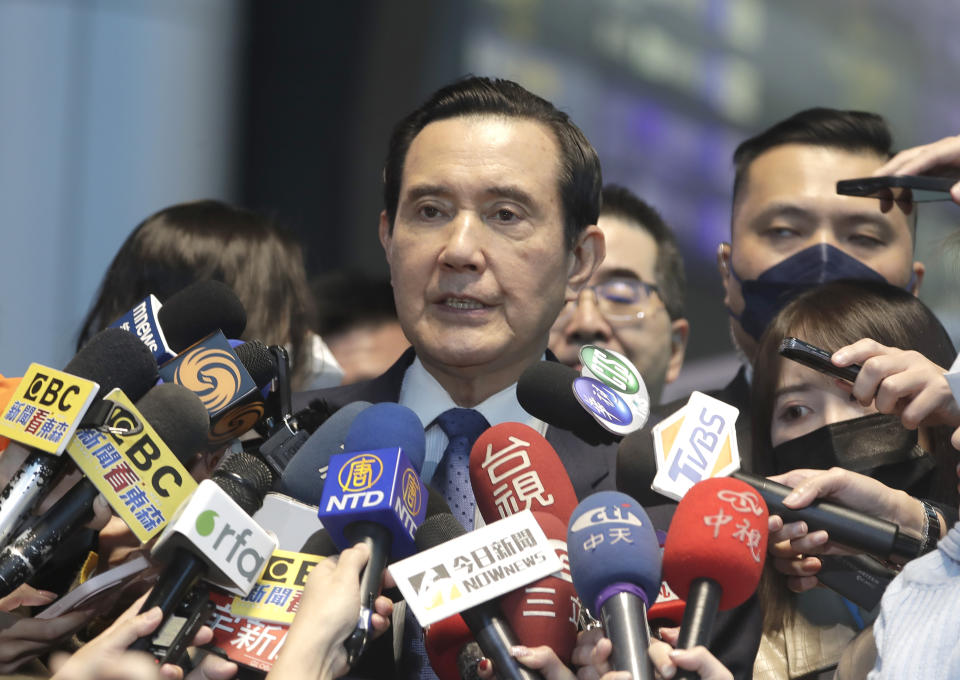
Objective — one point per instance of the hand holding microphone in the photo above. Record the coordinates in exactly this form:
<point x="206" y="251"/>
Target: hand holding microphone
<point x="792" y="544"/>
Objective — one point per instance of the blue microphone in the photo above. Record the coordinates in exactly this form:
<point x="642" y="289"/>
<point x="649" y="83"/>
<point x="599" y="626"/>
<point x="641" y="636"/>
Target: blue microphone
<point x="373" y="494"/>
<point x="615" y="564"/>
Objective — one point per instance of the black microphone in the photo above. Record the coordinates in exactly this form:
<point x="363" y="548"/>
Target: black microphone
<point x="178" y="418"/>
<point x="854" y="529"/>
<point x="112" y="358"/>
<point x="545" y="391"/>
<point x="243" y="480"/>
<point x="489" y="626"/>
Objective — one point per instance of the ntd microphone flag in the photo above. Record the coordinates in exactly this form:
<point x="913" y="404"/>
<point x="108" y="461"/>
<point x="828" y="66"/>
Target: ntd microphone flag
<point x="379" y="486"/>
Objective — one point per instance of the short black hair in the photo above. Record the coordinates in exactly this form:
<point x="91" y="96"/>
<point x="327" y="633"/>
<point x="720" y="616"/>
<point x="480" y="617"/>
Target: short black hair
<point x="832" y="128"/>
<point x="580" y="178"/>
<point x="348" y="298"/>
<point x="671" y="278"/>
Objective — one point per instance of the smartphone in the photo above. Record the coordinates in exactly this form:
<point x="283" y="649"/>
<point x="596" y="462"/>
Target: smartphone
<point x="816" y="358"/>
<point x="922" y="188"/>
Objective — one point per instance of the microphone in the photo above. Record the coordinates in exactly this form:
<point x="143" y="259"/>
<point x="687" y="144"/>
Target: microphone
<point x="304" y="476"/>
<point x="490" y="629"/>
<point x="244" y="413"/>
<point x="851" y="528"/>
<point x="378" y="498"/>
<point x="191" y="313"/>
<point x="615" y="563"/>
<point x="180" y="421"/>
<point x="513" y="468"/>
<point x="636" y="468"/>
<point x="545" y="391"/>
<point x="112" y="358"/>
<point x="714" y="553"/>
<point x="213" y="537"/>
<point x="445" y="641"/>
<point x="547" y="611"/>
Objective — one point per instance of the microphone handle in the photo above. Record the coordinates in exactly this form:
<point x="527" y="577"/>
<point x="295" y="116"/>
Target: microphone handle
<point x="853" y="529"/>
<point x="171" y="590"/>
<point x="24" y="490"/>
<point x="703" y="603"/>
<point x="378" y="539"/>
<point x="34" y="547"/>
<point x="625" y="620"/>
<point x="496" y="639"/>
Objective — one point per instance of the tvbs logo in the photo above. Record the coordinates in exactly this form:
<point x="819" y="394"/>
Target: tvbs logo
<point x="247" y="560"/>
<point x="356" y="478"/>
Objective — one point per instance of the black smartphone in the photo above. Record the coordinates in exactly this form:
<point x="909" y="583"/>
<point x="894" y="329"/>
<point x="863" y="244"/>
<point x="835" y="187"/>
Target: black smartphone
<point x="922" y="188"/>
<point x="816" y="358"/>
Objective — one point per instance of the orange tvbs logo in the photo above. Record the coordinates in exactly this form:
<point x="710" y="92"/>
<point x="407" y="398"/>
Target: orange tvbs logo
<point x="360" y="473"/>
<point x="412" y="494"/>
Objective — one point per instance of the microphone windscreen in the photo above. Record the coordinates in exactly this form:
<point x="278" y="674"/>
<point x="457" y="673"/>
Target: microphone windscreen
<point x="179" y="418"/>
<point x="258" y="360"/>
<point x="437" y="530"/>
<point x="116" y="358"/>
<point x="245" y="478"/>
<point x="436" y="503"/>
<point x="637" y="466"/>
<point x="543" y="612"/>
<point x="719" y="531"/>
<point x="513" y="468"/>
<point x="545" y="391"/>
<point x="385" y="426"/>
<point x="443" y="641"/>
<point x="198" y="310"/>
<point x="612" y="546"/>
<point x="306" y="472"/>
<point x="320" y="543"/>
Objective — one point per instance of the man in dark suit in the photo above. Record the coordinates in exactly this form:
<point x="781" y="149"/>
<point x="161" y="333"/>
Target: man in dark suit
<point x="491" y="201"/>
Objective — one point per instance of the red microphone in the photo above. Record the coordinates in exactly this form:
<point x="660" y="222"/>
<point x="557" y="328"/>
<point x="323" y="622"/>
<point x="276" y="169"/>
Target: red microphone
<point x="714" y="553"/>
<point x="513" y="468"/>
<point x="668" y="608"/>
<point x="444" y="641"/>
<point x="546" y="612"/>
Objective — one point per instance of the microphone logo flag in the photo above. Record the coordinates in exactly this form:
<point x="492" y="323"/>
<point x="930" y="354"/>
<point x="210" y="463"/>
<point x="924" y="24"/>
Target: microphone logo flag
<point x="360" y="473"/>
<point x="46" y="408"/>
<point x="697" y="442"/>
<point x="212" y="374"/>
<point x="142" y="322"/>
<point x="475" y="567"/>
<point x="605" y="404"/>
<point x="412" y="494"/>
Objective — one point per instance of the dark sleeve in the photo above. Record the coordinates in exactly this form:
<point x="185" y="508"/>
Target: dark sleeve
<point x="736" y="637"/>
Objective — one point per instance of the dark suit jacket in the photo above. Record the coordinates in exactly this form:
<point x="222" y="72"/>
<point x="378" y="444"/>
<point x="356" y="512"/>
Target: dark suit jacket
<point x="590" y="469"/>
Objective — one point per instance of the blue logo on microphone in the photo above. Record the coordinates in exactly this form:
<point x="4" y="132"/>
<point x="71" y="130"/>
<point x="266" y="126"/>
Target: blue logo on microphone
<point x="603" y="402"/>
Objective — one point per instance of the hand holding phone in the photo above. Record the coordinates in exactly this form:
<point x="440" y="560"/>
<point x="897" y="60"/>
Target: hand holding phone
<point x="817" y="359"/>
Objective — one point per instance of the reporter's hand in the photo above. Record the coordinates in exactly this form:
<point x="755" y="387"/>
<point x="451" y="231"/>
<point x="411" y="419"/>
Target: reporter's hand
<point x="26" y="596"/>
<point x="937" y="158"/>
<point x="106" y="657"/>
<point x="666" y="660"/>
<point x="545" y="660"/>
<point x="328" y="613"/>
<point x="591" y="654"/>
<point x="792" y="545"/>
<point x="899" y="382"/>
<point x="23" y="638"/>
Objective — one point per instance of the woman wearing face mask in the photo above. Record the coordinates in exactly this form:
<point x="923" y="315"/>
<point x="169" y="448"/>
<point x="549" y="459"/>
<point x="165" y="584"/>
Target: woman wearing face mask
<point x="805" y="419"/>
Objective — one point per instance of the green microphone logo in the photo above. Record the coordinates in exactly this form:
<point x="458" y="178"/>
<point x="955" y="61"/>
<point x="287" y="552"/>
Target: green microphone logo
<point x="205" y="522"/>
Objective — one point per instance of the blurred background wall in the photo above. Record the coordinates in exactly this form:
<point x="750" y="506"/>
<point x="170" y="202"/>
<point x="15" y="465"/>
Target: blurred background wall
<point x="113" y="109"/>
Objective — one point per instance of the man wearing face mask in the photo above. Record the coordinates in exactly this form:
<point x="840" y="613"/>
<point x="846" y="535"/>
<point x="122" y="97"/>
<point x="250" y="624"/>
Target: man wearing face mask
<point x="791" y="231"/>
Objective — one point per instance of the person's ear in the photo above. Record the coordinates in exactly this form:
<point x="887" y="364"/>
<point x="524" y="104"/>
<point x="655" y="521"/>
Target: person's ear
<point x="679" y="334"/>
<point x="585" y="257"/>
<point x="724" y="254"/>
<point x="919" y="269"/>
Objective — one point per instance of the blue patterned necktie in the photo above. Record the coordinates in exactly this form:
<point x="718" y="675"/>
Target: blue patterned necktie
<point x="462" y="427"/>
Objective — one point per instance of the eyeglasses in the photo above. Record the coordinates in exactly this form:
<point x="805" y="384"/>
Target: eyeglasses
<point x="619" y="300"/>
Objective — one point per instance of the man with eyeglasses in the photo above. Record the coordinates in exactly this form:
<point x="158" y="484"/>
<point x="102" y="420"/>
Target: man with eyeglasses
<point x="634" y="301"/>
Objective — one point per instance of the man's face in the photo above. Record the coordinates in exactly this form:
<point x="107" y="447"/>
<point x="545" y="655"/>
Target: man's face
<point x="647" y="341"/>
<point x="477" y="256"/>
<point x="790" y="203"/>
